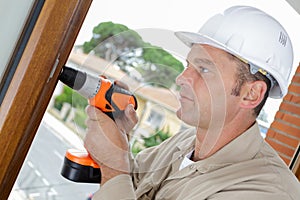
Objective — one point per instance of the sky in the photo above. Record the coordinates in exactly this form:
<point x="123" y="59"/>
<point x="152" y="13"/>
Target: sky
<point x="163" y="17"/>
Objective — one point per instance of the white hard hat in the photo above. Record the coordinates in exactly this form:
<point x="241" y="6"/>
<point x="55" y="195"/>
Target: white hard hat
<point x="254" y="37"/>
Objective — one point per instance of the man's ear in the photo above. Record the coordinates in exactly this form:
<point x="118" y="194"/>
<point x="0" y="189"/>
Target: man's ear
<point x="253" y="94"/>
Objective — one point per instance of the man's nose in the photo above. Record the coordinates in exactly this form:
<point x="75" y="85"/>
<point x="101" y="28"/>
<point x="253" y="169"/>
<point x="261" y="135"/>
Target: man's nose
<point x="184" y="77"/>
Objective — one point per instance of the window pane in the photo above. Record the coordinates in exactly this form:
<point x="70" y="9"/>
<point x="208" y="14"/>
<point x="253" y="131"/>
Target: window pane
<point x="15" y="13"/>
<point x="40" y="176"/>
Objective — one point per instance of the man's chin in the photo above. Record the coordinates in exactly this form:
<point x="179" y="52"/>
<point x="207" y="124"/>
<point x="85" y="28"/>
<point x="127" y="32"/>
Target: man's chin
<point x="185" y="117"/>
<point x="179" y="113"/>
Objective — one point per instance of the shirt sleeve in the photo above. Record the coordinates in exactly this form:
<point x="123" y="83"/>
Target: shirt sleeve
<point x="119" y="187"/>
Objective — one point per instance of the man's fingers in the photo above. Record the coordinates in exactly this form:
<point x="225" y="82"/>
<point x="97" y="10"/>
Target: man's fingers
<point x="94" y="113"/>
<point x="122" y="85"/>
<point x="125" y="121"/>
<point x="131" y="114"/>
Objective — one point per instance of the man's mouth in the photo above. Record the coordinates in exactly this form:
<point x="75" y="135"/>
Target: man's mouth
<point x="185" y="97"/>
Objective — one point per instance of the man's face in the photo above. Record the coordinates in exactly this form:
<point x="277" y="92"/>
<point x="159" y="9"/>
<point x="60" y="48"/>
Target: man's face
<point x="206" y="86"/>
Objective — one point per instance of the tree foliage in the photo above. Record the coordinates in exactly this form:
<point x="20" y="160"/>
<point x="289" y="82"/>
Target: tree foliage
<point x="126" y="48"/>
<point x="155" y="139"/>
<point x="110" y="40"/>
<point x="70" y="96"/>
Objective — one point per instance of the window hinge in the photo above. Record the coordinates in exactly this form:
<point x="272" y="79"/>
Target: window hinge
<point x="54" y="68"/>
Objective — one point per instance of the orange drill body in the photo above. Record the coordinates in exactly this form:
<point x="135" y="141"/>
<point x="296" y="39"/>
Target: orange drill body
<point x="111" y="98"/>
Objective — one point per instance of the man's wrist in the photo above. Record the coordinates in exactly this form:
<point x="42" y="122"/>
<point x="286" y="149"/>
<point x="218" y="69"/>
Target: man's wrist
<point x="108" y="173"/>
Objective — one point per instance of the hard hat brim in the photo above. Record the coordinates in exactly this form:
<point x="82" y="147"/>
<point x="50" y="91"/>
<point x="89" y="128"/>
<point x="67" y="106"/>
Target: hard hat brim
<point x="190" y="38"/>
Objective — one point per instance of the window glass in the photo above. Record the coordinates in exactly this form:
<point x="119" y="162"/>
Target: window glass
<point x="16" y="13"/>
<point x="40" y="176"/>
<point x="155" y="119"/>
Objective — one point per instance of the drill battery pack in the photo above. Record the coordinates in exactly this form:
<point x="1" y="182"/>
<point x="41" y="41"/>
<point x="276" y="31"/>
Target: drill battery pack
<point x="79" y="167"/>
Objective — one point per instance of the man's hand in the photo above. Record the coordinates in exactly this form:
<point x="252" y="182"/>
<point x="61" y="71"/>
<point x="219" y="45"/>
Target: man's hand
<point x="107" y="141"/>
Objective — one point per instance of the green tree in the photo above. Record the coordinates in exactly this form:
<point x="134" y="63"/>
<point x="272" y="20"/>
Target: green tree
<point x="160" y="67"/>
<point x="110" y="40"/>
<point x="70" y="96"/>
<point x="155" y="139"/>
<point x="125" y="47"/>
<point x="75" y="100"/>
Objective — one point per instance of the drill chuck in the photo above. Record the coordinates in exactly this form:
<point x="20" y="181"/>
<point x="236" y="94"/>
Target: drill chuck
<point x="73" y="78"/>
<point x="85" y="84"/>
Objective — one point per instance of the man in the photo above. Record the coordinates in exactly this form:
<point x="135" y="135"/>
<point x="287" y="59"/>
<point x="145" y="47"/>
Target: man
<point x="236" y="61"/>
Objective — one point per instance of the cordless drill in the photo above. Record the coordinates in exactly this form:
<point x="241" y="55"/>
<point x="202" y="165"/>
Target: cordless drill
<point x="111" y="99"/>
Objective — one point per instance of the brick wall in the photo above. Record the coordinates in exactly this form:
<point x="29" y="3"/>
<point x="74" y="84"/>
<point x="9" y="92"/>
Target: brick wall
<point x="284" y="133"/>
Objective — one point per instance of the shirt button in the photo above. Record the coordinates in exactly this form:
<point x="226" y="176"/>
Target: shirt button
<point x="192" y="166"/>
<point x="203" y="169"/>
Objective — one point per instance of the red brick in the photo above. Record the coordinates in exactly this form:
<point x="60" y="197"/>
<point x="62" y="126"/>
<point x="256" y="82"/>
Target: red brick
<point x="294" y="88"/>
<point x="280" y="148"/>
<point x="298" y="69"/>
<point x="290" y="107"/>
<point x="291" y="142"/>
<point x="271" y="133"/>
<point x="285" y="127"/>
<point x="292" y="98"/>
<point x="288" y="118"/>
<point x="296" y="78"/>
<point x="286" y="160"/>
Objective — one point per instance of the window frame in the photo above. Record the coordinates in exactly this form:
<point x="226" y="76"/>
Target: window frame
<point x="20" y="47"/>
<point x="33" y="82"/>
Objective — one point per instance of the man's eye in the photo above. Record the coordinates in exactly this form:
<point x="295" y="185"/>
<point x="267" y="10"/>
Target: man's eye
<point x="203" y="70"/>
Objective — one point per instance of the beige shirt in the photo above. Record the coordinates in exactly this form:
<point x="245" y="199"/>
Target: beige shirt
<point x="246" y="168"/>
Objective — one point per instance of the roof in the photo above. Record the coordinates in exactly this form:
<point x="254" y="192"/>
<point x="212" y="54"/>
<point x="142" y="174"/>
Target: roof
<point x="163" y="96"/>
